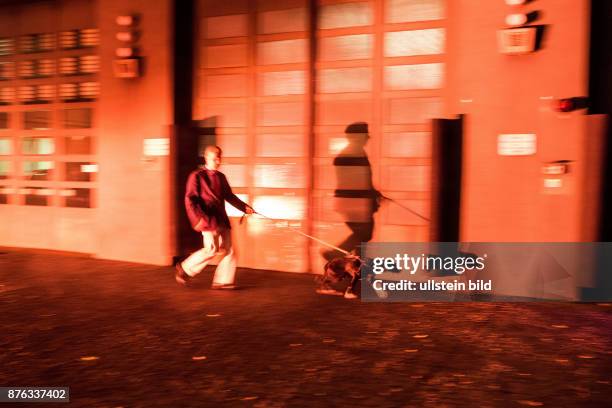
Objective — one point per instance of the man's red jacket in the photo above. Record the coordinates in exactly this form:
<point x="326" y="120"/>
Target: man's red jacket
<point x="204" y="205"/>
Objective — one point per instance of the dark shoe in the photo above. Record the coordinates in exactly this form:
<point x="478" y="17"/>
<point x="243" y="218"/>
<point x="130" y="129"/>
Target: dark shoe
<point x="181" y="276"/>
<point x="226" y="286"/>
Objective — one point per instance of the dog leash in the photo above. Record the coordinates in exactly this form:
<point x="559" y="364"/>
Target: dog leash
<point x="405" y="208"/>
<point x="345" y="252"/>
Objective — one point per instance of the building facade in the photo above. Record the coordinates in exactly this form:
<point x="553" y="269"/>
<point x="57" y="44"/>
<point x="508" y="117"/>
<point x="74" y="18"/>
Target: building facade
<point x="317" y="105"/>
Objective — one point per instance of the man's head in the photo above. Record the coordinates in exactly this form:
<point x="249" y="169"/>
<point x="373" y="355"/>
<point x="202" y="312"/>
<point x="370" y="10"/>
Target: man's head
<point x="212" y="157"/>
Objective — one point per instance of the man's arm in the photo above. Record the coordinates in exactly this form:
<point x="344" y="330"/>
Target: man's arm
<point x="231" y="198"/>
<point x="193" y="202"/>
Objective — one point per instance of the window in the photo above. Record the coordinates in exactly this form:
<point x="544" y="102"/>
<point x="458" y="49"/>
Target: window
<point x="7" y="71"/>
<point x="33" y="94"/>
<point x="77" y="197"/>
<point x="37" y="145"/>
<point x="4" y="120"/>
<point x="5" y="169"/>
<point x="86" y="64"/>
<point x="398" y="11"/>
<point x="345" y="15"/>
<point x="77" y="118"/>
<point x="4" y="193"/>
<point x="37" y="43"/>
<point x="45" y="68"/>
<point x="36" y="195"/>
<point x="37" y="170"/>
<point x="69" y="66"/>
<point x="87" y="37"/>
<point x="80" y="171"/>
<point x="6" y="146"/>
<point x="89" y="64"/>
<point x="7" y="46"/>
<point x="69" y="39"/>
<point x="7" y="96"/>
<point x="79" y="92"/>
<point x="37" y="120"/>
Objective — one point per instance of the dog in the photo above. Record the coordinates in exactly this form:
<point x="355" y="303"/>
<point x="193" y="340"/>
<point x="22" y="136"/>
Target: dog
<point x="341" y="277"/>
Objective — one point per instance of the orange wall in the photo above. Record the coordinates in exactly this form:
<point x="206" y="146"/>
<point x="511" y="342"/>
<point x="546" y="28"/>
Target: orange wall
<point x="503" y="196"/>
<point x="134" y="203"/>
<point x="51" y="227"/>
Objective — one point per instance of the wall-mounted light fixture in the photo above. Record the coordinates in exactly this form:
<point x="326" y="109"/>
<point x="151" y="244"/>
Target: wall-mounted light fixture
<point x="128" y="63"/>
<point x="518" y="37"/>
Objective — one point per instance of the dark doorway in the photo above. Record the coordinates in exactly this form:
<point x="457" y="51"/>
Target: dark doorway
<point x="600" y="97"/>
<point x="447" y="151"/>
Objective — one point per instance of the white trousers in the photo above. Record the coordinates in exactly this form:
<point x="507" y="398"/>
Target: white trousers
<point x="217" y="244"/>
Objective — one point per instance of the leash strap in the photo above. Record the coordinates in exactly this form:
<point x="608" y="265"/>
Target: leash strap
<point x="301" y="233"/>
<point x="405" y="208"/>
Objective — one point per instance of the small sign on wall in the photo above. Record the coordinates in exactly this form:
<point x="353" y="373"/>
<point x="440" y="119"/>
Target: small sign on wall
<point x="521" y="144"/>
<point x="156" y="147"/>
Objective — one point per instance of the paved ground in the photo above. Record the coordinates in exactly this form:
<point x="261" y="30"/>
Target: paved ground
<point x="126" y="335"/>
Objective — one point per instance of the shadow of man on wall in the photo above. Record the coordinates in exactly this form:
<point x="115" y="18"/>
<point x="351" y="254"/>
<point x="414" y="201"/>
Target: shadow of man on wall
<point x="355" y="198"/>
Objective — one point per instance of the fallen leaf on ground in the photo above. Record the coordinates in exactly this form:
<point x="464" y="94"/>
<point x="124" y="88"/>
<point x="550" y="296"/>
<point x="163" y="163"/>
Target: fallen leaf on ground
<point x="89" y="358"/>
<point x="197" y="358"/>
<point x="411" y="350"/>
<point x="420" y="336"/>
<point x="213" y="315"/>
<point x="559" y="326"/>
<point x="531" y="403"/>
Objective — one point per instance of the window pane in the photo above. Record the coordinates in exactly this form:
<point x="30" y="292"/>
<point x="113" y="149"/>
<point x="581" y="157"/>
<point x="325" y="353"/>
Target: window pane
<point x="4" y="120"/>
<point x="80" y="171"/>
<point x="78" y="197"/>
<point x="346" y="47"/>
<point x="37" y="170"/>
<point x="89" y="64"/>
<point x="26" y="69"/>
<point x="7" y="96"/>
<point x="37" y="120"/>
<point x="418" y="76"/>
<point x="69" y="39"/>
<point x="36" y="195"/>
<point x="45" y="67"/>
<point x="37" y="42"/>
<point x="346" y="15"/>
<point x="68" y="66"/>
<point x="5" y="169"/>
<point x="7" y="71"/>
<point x="6" y="145"/>
<point x="7" y="46"/>
<point x="89" y="90"/>
<point x="279" y="176"/>
<point x="398" y="11"/>
<point x="89" y="37"/>
<point x="37" y="145"/>
<point x="77" y="118"/>
<point x="77" y="145"/>
<point x="414" y="42"/>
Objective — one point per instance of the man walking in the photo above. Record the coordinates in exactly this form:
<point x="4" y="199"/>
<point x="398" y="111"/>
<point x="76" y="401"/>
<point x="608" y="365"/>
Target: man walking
<point x="205" y="196"/>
